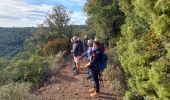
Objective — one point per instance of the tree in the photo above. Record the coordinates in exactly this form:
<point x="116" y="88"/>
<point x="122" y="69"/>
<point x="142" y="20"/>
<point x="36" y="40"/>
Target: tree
<point x="105" y="17"/>
<point x="56" y="28"/>
<point x="143" y="49"/>
<point x="57" y="22"/>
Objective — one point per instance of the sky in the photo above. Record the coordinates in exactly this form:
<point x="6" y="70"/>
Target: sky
<point x="30" y="13"/>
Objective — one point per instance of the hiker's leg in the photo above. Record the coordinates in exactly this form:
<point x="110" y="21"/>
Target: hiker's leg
<point x="96" y="81"/>
<point x="76" y="60"/>
<point x="96" y="85"/>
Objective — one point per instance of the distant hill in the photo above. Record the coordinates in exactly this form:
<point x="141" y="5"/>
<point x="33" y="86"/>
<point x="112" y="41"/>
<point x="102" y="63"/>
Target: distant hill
<point x="12" y="39"/>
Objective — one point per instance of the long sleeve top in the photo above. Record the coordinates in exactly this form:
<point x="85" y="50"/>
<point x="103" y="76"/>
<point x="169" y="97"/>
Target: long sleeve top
<point x="94" y="64"/>
<point x="89" y="53"/>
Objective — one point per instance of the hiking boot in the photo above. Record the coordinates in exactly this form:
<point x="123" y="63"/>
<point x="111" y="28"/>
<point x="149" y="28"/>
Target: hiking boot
<point x="92" y="90"/>
<point x="95" y="94"/>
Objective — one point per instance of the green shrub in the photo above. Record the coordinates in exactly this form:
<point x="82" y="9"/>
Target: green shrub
<point x="114" y="79"/>
<point x="16" y="91"/>
<point x="113" y="58"/>
<point x="5" y="76"/>
<point x="56" y="62"/>
<point x="54" y="46"/>
<point x="143" y="49"/>
<point x="35" y="70"/>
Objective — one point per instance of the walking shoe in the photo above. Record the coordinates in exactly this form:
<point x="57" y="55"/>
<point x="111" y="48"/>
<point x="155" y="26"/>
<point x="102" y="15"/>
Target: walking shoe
<point x="95" y="94"/>
<point x="92" y="90"/>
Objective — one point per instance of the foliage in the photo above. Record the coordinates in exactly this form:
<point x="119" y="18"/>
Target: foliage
<point x="55" y="46"/>
<point x="57" y="22"/>
<point x="34" y="70"/>
<point x="3" y="63"/>
<point x="38" y="55"/>
<point x="55" y="34"/>
<point x="12" y="40"/>
<point x="57" y="62"/>
<point x="113" y="74"/>
<point x="105" y="18"/>
<point x="143" y="49"/>
<point x="16" y="91"/>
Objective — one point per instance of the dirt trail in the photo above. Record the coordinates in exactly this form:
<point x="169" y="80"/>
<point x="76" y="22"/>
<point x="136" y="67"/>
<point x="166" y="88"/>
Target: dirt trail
<point x="66" y="86"/>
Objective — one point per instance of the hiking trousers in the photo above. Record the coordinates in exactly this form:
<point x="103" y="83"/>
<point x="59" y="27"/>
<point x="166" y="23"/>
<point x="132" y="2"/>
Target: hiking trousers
<point x="95" y="75"/>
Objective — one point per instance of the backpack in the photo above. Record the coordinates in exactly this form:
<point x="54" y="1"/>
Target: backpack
<point x="103" y="63"/>
<point x="81" y="48"/>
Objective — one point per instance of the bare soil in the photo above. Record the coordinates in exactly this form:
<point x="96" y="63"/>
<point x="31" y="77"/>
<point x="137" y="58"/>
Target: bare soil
<point x="66" y="86"/>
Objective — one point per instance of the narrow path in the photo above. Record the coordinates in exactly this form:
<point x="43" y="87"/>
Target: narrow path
<point x="66" y="86"/>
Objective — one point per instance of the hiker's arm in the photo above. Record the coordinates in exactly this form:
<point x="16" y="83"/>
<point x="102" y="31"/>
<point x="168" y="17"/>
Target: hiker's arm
<point x="87" y="65"/>
<point x="74" y="48"/>
<point x="84" y="54"/>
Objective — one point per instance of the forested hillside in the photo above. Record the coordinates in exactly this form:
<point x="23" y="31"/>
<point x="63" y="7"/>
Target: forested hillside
<point x="12" y="40"/>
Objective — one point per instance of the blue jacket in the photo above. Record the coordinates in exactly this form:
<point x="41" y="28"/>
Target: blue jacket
<point x="89" y="53"/>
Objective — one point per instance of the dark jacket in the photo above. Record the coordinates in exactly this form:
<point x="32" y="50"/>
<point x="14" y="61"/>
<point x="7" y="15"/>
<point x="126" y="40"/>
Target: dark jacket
<point x="94" y="65"/>
<point x="77" y="49"/>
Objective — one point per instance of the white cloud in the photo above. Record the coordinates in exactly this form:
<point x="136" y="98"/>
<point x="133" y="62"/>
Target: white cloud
<point x="19" y="13"/>
<point x="78" y="18"/>
<point x="72" y="2"/>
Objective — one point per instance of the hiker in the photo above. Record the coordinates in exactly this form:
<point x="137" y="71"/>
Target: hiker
<point x="94" y="66"/>
<point x="89" y="53"/>
<point x="77" y="51"/>
<point x="101" y="47"/>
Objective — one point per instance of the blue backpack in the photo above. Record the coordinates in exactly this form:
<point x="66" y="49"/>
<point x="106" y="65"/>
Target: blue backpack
<point x="103" y="64"/>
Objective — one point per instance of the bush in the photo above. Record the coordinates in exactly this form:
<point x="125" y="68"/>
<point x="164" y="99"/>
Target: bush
<point x="113" y="58"/>
<point x="35" y="70"/>
<point x="57" y="62"/>
<point x="3" y="63"/>
<point x="5" y="76"/>
<point x="115" y="80"/>
<point x="16" y="91"/>
<point x="143" y="49"/>
<point x="53" y="47"/>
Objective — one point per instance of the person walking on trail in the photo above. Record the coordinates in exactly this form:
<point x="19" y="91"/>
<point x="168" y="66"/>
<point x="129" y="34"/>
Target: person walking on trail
<point x="94" y="66"/>
<point x="77" y="51"/>
<point x="89" y="53"/>
<point x="101" y="47"/>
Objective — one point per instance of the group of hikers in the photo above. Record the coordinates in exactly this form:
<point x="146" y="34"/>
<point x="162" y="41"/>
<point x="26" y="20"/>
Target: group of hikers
<point x="97" y="60"/>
